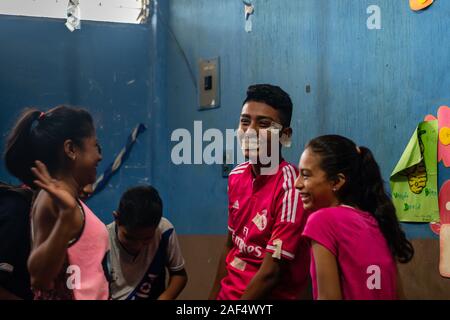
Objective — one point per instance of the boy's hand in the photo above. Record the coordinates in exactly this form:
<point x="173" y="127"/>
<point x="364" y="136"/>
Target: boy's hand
<point x="177" y="282"/>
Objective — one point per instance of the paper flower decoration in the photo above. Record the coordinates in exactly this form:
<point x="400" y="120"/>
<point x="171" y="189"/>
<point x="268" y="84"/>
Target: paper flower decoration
<point x="418" y="5"/>
<point x="444" y="134"/>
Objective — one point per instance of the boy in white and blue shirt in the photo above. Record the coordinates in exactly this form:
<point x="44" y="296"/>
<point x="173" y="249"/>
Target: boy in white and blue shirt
<point x="143" y="246"/>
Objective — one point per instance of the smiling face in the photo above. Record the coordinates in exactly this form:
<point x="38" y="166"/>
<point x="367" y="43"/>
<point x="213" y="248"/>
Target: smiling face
<point x="255" y="121"/>
<point x="316" y="189"/>
<point x="87" y="158"/>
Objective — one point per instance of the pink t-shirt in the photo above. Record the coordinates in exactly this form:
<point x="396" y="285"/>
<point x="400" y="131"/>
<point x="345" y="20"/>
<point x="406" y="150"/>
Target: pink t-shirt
<point x="88" y="256"/>
<point x="265" y="215"/>
<point x="366" y="266"/>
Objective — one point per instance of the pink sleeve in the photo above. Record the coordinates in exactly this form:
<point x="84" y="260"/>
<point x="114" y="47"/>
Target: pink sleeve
<point x="289" y="218"/>
<point x="320" y="228"/>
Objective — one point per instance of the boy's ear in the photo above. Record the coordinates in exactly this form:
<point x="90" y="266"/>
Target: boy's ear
<point x="287" y="131"/>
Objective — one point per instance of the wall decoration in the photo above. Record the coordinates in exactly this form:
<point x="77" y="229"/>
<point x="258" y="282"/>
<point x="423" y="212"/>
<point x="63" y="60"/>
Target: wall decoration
<point x="417" y="5"/>
<point x="414" y="179"/>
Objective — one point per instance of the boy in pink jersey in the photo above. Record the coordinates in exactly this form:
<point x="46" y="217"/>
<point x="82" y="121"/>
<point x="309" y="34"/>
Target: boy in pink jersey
<point x="353" y="230"/>
<point x="265" y="256"/>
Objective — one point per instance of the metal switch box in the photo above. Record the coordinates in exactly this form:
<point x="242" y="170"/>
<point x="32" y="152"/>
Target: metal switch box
<point x="209" y="84"/>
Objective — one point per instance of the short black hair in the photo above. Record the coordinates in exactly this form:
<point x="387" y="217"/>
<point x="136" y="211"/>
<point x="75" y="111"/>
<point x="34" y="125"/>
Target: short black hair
<point x="140" y="207"/>
<point x="273" y="96"/>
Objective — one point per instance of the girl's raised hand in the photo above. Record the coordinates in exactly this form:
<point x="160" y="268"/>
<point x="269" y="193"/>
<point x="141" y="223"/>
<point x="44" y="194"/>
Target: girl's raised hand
<point x="63" y="199"/>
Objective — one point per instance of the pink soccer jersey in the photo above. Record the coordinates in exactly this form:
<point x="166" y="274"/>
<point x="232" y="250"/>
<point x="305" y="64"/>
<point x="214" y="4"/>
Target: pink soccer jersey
<point x="265" y="216"/>
<point x="366" y="266"/>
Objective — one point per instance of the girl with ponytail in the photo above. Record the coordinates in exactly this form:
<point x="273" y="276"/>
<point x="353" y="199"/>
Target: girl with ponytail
<point x="355" y="236"/>
<point x="56" y="153"/>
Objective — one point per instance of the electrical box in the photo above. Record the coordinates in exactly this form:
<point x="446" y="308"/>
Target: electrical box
<point x="209" y="84"/>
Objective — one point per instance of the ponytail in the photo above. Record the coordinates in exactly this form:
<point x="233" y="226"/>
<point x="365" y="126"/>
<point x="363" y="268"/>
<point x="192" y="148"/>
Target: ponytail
<point x="375" y="200"/>
<point x="19" y="157"/>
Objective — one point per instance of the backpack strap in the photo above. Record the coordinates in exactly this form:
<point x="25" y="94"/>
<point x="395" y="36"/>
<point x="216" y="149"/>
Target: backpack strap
<point x="23" y="191"/>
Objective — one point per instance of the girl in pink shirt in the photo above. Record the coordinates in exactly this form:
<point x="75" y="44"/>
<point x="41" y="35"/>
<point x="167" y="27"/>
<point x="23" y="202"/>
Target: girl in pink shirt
<point x="58" y="153"/>
<point x="355" y="236"/>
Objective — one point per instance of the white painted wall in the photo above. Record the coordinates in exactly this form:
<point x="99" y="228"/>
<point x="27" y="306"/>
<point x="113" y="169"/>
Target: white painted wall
<point x="123" y="11"/>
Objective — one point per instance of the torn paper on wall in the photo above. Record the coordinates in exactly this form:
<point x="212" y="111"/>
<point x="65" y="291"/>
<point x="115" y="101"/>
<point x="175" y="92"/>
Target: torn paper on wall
<point x="144" y="13"/>
<point x="414" y="179"/>
<point x="73" y="15"/>
<point x="249" y="9"/>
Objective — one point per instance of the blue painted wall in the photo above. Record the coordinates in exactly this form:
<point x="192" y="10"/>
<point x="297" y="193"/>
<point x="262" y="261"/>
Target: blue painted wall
<point x="373" y="86"/>
<point x="107" y="68"/>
